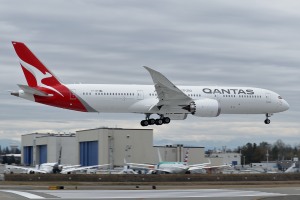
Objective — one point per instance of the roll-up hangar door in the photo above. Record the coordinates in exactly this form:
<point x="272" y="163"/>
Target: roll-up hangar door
<point x="43" y="154"/>
<point x="28" y="155"/>
<point x="88" y="153"/>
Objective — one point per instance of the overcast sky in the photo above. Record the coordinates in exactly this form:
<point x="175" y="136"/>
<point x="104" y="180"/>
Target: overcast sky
<point x="232" y="43"/>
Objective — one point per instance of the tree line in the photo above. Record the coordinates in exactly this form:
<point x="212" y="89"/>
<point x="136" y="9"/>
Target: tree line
<point x="255" y="153"/>
<point x="9" y="159"/>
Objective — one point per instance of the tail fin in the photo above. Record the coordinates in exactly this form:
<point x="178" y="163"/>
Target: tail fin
<point x="43" y="86"/>
<point x="186" y="157"/>
<point x="36" y="73"/>
<point x="159" y="156"/>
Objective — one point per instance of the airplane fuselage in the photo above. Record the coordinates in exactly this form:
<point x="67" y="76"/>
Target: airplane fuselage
<point x="173" y="167"/>
<point x="139" y="98"/>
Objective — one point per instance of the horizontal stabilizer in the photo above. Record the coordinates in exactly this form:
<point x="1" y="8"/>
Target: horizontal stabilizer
<point x="35" y="91"/>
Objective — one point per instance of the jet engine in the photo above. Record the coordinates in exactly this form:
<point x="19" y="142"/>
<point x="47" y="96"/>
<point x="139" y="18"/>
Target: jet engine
<point x="57" y="168"/>
<point x="204" y="108"/>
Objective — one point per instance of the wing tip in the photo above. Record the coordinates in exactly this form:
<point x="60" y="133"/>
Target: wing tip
<point x="147" y="68"/>
<point x="150" y="70"/>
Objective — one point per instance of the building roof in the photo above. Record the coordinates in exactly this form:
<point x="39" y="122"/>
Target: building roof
<point x="100" y="128"/>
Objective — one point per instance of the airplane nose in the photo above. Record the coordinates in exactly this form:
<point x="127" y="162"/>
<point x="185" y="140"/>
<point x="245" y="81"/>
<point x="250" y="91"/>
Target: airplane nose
<point x="285" y="105"/>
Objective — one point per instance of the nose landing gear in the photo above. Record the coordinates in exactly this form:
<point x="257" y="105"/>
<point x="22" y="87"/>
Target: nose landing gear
<point x="267" y="120"/>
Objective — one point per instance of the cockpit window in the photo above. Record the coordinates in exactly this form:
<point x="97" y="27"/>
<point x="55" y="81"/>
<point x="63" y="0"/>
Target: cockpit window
<point x="279" y="97"/>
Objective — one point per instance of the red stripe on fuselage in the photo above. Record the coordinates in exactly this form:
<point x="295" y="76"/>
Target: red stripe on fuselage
<point x="57" y="100"/>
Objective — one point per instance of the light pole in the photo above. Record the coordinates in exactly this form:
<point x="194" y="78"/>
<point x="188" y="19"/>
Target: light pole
<point x="267" y="159"/>
<point x="110" y="153"/>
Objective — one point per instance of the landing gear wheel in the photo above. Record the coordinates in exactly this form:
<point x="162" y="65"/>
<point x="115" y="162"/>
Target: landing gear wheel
<point x="144" y="123"/>
<point x="151" y="121"/>
<point x="159" y="122"/>
<point x="267" y="121"/>
<point x="166" y="120"/>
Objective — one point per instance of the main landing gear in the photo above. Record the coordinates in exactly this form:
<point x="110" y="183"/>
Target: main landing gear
<point x="151" y="121"/>
<point x="267" y="120"/>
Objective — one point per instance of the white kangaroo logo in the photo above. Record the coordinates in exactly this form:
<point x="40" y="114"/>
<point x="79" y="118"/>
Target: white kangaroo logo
<point x="39" y="76"/>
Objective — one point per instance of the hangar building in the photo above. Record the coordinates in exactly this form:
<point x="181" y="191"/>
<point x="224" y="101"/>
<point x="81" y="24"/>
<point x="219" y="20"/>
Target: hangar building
<point x="38" y="148"/>
<point x="103" y="146"/>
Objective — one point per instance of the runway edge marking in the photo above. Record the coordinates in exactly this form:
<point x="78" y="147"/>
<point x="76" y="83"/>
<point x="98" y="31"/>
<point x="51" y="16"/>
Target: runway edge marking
<point x="24" y="194"/>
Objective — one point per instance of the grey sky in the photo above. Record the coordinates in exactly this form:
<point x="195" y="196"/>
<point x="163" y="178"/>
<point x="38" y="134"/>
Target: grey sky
<point x="235" y="43"/>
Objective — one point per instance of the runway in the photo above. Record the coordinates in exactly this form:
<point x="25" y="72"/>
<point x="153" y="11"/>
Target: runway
<point x="213" y="194"/>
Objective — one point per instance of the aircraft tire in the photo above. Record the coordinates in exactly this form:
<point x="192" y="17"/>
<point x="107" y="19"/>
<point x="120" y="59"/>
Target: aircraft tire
<point x="159" y="122"/>
<point x="166" y="120"/>
<point x="151" y="121"/>
<point x="144" y="123"/>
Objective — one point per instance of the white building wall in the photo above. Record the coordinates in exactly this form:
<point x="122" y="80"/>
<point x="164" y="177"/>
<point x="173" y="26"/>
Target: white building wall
<point x="134" y="145"/>
<point x="30" y="140"/>
<point x="53" y="142"/>
<point x="227" y="158"/>
<point x="114" y="145"/>
<point x="176" y="153"/>
<point x="69" y="155"/>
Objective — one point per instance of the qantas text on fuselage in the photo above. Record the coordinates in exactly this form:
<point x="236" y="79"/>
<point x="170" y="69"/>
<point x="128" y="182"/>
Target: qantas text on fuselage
<point x="227" y="91"/>
<point x="168" y="101"/>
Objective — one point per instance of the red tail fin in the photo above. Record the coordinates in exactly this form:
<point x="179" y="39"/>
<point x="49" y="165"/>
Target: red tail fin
<point x="43" y="84"/>
<point x="186" y="157"/>
<point x="34" y="70"/>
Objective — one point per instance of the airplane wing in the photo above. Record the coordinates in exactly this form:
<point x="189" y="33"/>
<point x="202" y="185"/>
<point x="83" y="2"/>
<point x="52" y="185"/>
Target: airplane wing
<point x="168" y="94"/>
<point x="74" y="169"/>
<point x="216" y="166"/>
<point x="70" y="166"/>
<point x="27" y="169"/>
<point x="164" y="170"/>
<point x="141" y="166"/>
<point x="208" y="167"/>
<point x="200" y="165"/>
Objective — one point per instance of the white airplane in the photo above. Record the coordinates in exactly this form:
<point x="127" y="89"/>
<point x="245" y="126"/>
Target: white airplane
<point x="52" y="168"/>
<point x="169" y="167"/>
<point x="70" y="169"/>
<point x="292" y="169"/>
<point x="45" y="168"/>
<point x="168" y="101"/>
<point x="172" y="167"/>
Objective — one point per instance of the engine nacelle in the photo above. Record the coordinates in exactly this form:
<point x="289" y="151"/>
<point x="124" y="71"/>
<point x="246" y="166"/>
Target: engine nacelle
<point x="204" y="108"/>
